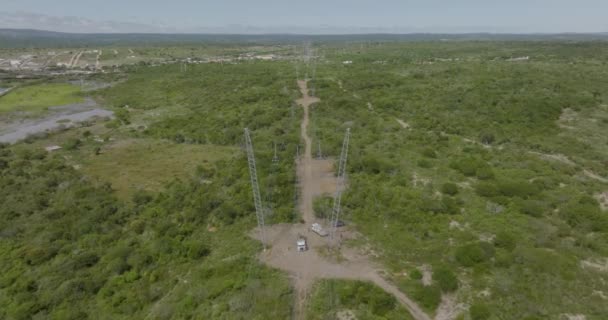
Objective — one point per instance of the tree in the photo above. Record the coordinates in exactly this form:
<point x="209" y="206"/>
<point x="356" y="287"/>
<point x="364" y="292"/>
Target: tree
<point x="449" y="188"/>
<point x="446" y="279"/>
<point x="480" y="312"/>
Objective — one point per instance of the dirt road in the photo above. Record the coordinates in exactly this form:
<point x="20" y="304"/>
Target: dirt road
<point x="316" y="178"/>
<point x="77" y="59"/>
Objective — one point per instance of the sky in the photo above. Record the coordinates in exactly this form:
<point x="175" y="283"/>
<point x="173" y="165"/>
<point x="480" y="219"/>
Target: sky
<point x="349" y="16"/>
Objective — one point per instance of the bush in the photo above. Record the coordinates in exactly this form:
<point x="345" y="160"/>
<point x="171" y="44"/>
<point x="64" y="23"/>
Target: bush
<point x="446" y="279"/>
<point x="449" y="188"/>
<point x="322" y="207"/>
<point x="484" y="173"/>
<point x="72" y="144"/>
<point x="429" y="153"/>
<point x="479" y="312"/>
<point x="197" y="250"/>
<point x="517" y="188"/>
<point x="471" y="254"/>
<point x="486" y="189"/>
<point x="450" y="205"/>
<point x="505" y="240"/>
<point x="469" y="166"/>
<point x="487" y="138"/>
<point x="533" y="208"/>
<point x="416" y="274"/>
<point x="428" y="296"/>
<point x="423" y="163"/>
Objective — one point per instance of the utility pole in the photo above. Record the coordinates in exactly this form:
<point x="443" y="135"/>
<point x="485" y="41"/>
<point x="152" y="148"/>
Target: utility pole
<point x="314" y="74"/>
<point x="257" y="199"/>
<point x="335" y="212"/>
<point x="275" y="159"/>
<point x="319" y="154"/>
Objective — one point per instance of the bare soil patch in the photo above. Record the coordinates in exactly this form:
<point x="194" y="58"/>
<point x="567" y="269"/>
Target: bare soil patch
<point x="449" y="308"/>
<point x="602" y="198"/>
<point x="598" y="265"/>
<point x="403" y="124"/>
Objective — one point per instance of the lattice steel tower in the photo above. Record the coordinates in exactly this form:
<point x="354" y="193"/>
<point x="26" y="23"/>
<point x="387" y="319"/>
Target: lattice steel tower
<point x="257" y="199"/>
<point x="335" y="212"/>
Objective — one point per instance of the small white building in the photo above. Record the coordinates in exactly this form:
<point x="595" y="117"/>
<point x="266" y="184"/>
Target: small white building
<point x="347" y="62"/>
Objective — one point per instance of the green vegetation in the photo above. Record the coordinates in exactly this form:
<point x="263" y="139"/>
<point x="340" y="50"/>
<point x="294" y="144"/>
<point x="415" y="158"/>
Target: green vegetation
<point x="361" y="299"/>
<point x="37" y="98"/>
<point x="148" y="165"/>
<point x="129" y="224"/>
<point x="491" y="176"/>
<point x="492" y="182"/>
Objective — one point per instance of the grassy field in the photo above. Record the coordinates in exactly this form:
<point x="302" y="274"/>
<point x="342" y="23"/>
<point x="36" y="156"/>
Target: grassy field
<point x="148" y="165"/>
<point x="36" y="98"/>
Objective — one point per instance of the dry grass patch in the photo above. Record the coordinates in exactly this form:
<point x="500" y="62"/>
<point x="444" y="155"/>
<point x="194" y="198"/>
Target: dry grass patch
<point x="143" y="164"/>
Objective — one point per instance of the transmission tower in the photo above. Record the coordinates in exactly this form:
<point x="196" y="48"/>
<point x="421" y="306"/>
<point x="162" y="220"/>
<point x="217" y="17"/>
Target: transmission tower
<point x="319" y="154"/>
<point x="314" y="75"/>
<point x="335" y="212"/>
<point x="275" y="159"/>
<point x="257" y="199"/>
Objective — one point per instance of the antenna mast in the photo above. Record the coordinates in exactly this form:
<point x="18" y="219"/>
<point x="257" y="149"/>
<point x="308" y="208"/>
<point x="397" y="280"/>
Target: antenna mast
<point x="275" y="159"/>
<point x="257" y="199"/>
<point x="335" y="213"/>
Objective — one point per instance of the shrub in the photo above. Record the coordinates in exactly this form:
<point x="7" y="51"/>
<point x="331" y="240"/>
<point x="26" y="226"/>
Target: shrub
<point x="479" y="312"/>
<point x="450" y="205"/>
<point x="446" y="279"/>
<point x="449" y="188"/>
<point x="487" y="138"/>
<point x="471" y="254"/>
<point x="486" y="189"/>
<point x="197" y="250"/>
<point x="517" y="188"/>
<point x="322" y="207"/>
<point x="428" y="296"/>
<point x="429" y="153"/>
<point x="431" y="205"/>
<point x="72" y="144"/>
<point x="469" y="166"/>
<point x="484" y="173"/>
<point x="416" y="274"/>
<point x="505" y="240"/>
<point x="423" y="163"/>
<point x="533" y="208"/>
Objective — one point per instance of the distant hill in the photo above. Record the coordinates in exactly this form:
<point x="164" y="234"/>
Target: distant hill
<point x="26" y="38"/>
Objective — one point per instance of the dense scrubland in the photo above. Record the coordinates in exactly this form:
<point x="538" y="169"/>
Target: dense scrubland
<point x="481" y="169"/>
<point x="167" y="239"/>
<point x="483" y="178"/>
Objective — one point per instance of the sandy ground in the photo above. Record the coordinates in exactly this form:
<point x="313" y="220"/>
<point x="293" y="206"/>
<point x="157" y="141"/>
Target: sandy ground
<point x="324" y="259"/>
